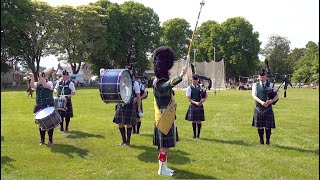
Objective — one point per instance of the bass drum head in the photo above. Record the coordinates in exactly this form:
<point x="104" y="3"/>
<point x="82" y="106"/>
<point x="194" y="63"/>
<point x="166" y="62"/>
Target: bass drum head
<point x="125" y="86"/>
<point x="44" y="112"/>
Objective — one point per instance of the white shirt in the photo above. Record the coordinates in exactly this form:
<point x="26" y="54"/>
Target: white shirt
<point x="188" y="93"/>
<point x="254" y="88"/>
<point x="136" y="87"/>
<point x="71" y="86"/>
<point x="49" y="83"/>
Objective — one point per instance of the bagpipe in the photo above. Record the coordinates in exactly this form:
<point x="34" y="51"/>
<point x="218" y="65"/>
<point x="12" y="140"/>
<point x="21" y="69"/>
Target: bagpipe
<point x="270" y="93"/>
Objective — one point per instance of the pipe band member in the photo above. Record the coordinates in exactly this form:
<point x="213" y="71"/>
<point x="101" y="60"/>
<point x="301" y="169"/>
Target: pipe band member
<point x="165" y="131"/>
<point x="263" y="117"/>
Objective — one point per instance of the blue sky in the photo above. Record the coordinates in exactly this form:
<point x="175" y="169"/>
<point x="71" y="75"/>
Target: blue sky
<point x="297" y="20"/>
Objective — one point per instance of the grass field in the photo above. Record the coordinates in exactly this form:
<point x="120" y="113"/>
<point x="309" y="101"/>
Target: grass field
<point x="228" y="148"/>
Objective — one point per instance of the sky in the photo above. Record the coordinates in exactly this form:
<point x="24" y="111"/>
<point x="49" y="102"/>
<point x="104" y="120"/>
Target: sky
<point x="297" y="20"/>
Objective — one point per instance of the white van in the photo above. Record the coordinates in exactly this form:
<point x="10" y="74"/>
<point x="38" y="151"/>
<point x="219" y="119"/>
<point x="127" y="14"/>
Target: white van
<point x="77" y="77"/>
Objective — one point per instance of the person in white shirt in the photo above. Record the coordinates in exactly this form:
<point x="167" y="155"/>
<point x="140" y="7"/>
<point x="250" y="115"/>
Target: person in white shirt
<point x="263" y="117"/>
<point x="196" y="96"/>
<point x="44" y="99"/>
<point x="65" y="89"/>
<point x="126" y="114"/>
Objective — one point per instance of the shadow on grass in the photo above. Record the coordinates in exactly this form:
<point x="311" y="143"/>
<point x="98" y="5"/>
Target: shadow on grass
<point x="150" y="155"/>
<point x="147" y="135"/>
<point x="183" y="174"/>
<point x="236" y="142"/>
<point x="5" y="160"/>
<point x="69" y="150"/>
<point x="2" y="138"/>
<point x="297" y="149"/>
<point x="79" y="134"/>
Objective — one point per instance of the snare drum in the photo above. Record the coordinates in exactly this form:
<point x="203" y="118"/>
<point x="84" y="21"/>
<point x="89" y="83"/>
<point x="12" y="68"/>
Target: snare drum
<point x="48" y="118"/>
<point x="60" y="103"/>
<point x="115" y="86"/>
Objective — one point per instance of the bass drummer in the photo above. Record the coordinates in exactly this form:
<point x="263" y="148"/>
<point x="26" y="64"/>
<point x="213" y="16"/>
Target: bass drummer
<point x="44" y="99"/>
<point x="126" y="113"/>
<point x="65" y="89"/>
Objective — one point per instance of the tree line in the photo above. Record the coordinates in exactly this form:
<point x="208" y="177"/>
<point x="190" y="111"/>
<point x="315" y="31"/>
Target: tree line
<point x="110" y="35"/>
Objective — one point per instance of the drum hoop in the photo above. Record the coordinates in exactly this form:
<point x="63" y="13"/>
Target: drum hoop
<point x="35" y="115"/>
<point x="118" y="85"/>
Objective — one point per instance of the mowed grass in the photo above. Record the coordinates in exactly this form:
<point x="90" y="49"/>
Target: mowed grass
<point x="228" y="148"/>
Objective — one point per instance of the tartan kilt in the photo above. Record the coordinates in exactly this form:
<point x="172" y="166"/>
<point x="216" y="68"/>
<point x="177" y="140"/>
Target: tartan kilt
<point x="166" y="141"/>
<point x="195" y="113"/>
<point x="263" y="117"/>
<point x="69" y="111"/>
<point x="125" y="114"/>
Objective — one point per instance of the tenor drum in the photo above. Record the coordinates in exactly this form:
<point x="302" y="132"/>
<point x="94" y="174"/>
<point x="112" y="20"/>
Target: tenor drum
<point x="48" y="118"/>
<point x="60" y="103"/>
<point x="115" y="86"/>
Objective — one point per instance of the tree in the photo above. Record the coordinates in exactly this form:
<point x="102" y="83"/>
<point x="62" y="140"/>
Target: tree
<point x="98" y="43"/>
<point x="294" y="56"/>
<point x="240" y="47"/>
<point x="307" y="68"/>
<point x="176" y="33"/>
<point x="132" y="31"/>
<point x="277" y="52"/>
<point x="141" y="32"/>
<point x="206" y="40"/>
<point x="15" y="16"/>
<point x="68" y="38"/>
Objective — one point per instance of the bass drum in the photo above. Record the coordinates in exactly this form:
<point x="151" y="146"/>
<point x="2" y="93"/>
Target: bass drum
<point x="115" y="86"/>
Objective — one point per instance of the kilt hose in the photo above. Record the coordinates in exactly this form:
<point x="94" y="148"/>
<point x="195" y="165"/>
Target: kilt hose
<point x="195" y="113"/>
<point x="125" y="114"/>
<point x="69" y="111"/>
<point x="263" y="117"/>
<point x="166" y="141"/>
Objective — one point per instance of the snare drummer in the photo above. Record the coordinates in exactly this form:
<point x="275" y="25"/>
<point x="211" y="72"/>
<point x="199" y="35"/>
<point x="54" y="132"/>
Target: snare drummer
<point x="44" y="99"/>
<point x="126" y="114"/>
<point x="65" y="89"/>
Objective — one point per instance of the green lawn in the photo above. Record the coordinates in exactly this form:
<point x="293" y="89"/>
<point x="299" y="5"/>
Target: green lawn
<point x="228" y="148"/>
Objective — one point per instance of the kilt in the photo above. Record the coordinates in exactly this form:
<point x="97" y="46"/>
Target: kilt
<point x="125" y="114"/>
<point x="263" y="117"/>
<point x="69" y="111"/>
<point x="195" y="113"/>
<point x="166" y="141"/>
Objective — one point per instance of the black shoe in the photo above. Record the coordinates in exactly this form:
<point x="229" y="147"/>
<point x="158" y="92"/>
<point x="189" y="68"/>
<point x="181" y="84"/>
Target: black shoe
<point x="50" y="143"/>
<point x="128" y="143"/>
<point x="67" y="130"/>
<point x="194" y="137"/>
<point x="42" y="143"/>
<point x="267" y="142"/>
<point x="122" y="144"/>
<point x="261" y="142"/>
<point x="198" y="136"/>
<point x="61" y="129"/>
